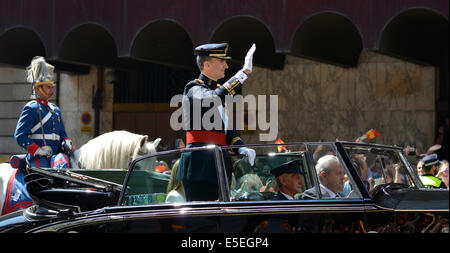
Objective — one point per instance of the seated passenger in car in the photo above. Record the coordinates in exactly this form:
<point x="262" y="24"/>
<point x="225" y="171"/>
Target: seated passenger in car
<point x="175" y="189"/>
<point x="289" y="179"/>
<point x="249" y="183"/>
<point x="331" y="176"/>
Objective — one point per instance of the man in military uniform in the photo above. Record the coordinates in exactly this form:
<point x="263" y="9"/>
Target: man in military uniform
<point x="430" y="167"/>
<point x="289" y="179"/>
<point x="40" y="129"/>
<point x="197" y="169"/>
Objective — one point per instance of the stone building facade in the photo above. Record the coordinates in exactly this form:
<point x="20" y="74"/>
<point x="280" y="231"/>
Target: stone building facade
<point x="339" y="68"/>
<point x="319" y="101"/>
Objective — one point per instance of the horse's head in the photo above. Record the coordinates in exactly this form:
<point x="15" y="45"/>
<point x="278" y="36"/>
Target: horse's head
<point x="148" y="147"/>
<point x="114" y="150"/>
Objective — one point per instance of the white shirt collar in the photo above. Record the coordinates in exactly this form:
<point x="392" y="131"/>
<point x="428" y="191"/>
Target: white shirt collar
<point x="332" y="194"/>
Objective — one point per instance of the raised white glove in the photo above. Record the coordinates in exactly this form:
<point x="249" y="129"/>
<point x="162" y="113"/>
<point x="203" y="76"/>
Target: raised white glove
<point x="42" y="151"/>
<point x="248" y="62"/>
<point x="250" y="153"/>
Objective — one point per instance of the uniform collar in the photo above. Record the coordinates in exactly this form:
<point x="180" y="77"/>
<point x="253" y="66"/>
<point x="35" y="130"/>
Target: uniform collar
<point x="41" y="101"/>
<point x="209" y="82"/>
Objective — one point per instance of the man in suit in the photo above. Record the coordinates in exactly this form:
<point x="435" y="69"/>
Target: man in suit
<point x="331" y="179"/>
<point x="289" y="178"/>
<point x="197" y="169"/>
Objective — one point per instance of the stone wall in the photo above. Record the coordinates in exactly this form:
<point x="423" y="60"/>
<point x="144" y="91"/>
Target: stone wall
<point x="14" y="93"/>
<point x="318" y="101"/>
<point x="76" y="99"/>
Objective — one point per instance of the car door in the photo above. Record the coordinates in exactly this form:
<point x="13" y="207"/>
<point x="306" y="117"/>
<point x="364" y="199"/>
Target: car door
<point x="388" y="182"/>
<point x="144" y="205"/>
<point x="251" y="207"/>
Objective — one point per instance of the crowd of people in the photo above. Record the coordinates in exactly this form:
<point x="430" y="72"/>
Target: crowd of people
<point x="432" y="166"/>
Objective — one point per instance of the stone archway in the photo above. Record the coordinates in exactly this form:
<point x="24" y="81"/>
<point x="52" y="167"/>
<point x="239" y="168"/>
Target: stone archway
<point x="421" y="35"/>
<point x="328" y="37"/>
<point x="164" y="42"/>
<point x="241" y="32"/>
<point x="19" y="45"/>
<point x="90" y="44"/>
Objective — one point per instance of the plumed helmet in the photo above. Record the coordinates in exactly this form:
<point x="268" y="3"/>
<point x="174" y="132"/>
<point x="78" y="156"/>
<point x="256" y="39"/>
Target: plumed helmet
<point x="39" y="71"/>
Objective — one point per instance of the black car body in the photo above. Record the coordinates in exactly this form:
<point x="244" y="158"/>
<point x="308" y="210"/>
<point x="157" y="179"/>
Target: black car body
<point x="392" y="200"/>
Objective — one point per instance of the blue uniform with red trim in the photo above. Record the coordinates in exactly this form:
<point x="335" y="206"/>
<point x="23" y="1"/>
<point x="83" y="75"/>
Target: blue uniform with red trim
<point x="28" y="132"/>
<point x="29" y="136"/>
<point x="16" y="196"/>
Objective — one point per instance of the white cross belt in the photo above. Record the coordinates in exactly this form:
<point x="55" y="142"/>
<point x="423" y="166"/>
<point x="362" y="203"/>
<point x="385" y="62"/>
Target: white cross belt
<point x="52" y="137"/>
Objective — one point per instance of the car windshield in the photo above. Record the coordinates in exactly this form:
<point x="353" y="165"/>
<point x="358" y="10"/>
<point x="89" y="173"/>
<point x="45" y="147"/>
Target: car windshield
<point x="151" y="178"/>
<point x="263" y="180"/>
<point x="256" y="181"/>
<point x="377" y="165"/>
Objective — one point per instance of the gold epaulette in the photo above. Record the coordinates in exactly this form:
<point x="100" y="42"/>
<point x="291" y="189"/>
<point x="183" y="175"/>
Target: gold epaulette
<point x="200" y="81"/>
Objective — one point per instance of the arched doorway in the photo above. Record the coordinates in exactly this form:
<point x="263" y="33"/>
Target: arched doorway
<point x="328" y="37"/>
<point x="421" y="35"/>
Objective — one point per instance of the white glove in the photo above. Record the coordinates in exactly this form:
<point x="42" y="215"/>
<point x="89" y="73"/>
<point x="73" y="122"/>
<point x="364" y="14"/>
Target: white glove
<point x="67" y="146"/>
<point x="250" y="153"/>
<point x="248" y="62"/>
<point x="42" y="151"/>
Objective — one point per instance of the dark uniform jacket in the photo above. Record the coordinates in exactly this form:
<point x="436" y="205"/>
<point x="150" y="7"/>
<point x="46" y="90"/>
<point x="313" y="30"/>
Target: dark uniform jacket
<point x="201" y="165"/>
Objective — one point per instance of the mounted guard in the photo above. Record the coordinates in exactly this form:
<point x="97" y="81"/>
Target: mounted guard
<point x="40" y="129"/>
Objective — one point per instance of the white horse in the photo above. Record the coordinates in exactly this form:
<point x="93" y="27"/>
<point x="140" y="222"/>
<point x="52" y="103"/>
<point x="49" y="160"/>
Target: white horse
<point x="110" y="150"/>
<point x="113" y="150"/>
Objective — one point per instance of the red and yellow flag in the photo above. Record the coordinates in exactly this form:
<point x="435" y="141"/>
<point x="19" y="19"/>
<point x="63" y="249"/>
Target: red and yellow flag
<point x="280" y="147"/>
<point x="371" y="134"/>
<point x="160" y="168"/>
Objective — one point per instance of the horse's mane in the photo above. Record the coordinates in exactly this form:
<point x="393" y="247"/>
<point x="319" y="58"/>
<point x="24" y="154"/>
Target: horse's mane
<point x="111" y="150"/>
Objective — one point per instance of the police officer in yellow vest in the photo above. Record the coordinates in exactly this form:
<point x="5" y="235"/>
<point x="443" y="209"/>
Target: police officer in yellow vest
<point x="430" y="167"/>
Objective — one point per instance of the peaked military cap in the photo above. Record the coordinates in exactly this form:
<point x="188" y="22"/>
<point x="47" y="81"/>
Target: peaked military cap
<point x="294" y="166"/>
<point x="431" y="160"/>
<point x="218" y="50"/>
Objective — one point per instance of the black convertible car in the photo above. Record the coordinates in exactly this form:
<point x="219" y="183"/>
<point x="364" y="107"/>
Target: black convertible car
<point x="381" y="193"/>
